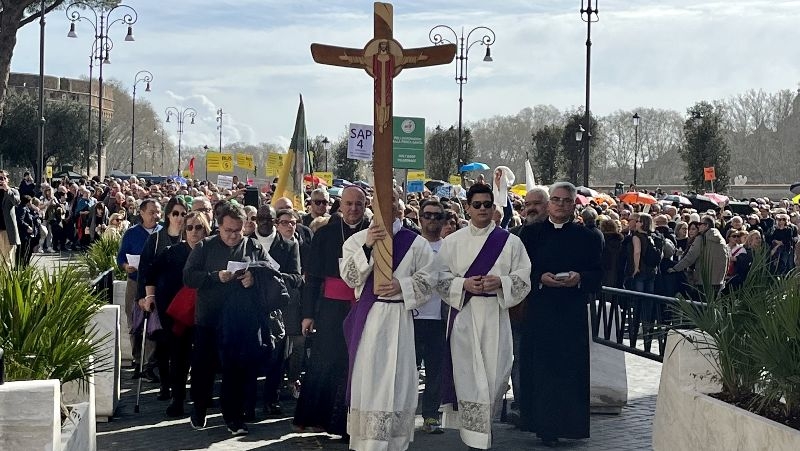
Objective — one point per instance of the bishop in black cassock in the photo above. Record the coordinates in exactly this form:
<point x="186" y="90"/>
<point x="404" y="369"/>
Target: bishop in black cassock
<point x="554" y="352"/>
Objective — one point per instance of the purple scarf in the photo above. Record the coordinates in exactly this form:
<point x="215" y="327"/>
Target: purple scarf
<point x="357" y="318"/>
<point x="481" y="266"/>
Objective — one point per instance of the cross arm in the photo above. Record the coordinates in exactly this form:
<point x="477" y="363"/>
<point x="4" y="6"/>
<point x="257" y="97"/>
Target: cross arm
<point x="436" y="55"/>
<point x="337" y="56"/>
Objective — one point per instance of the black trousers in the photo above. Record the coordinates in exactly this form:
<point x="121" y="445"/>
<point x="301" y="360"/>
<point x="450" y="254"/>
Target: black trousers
<point x="274" y="373"/>
<point x="173" y="355"/>
<point x="429" y="340"/>
<point x="205" y="361"/>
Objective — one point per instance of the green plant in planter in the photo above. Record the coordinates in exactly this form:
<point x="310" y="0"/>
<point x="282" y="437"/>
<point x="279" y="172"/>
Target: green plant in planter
<point x="102" y="255"/>
<point x="45" y="325"/>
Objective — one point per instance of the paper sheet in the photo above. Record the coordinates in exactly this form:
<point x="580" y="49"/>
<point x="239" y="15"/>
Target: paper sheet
<point x="236" y="266"/>
<point x="133" y="260"/>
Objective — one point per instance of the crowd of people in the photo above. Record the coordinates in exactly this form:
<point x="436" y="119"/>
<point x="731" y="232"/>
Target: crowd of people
<point x="485" y="288"/>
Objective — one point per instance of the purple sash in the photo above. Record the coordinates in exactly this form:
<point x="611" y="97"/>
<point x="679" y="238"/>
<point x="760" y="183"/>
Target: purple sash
<point x="357" y="318"/>
<point x="481" y="266"/>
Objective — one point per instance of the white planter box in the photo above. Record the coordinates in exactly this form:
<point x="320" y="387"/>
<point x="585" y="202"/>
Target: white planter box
<point x="126" y="353"/>
<point x="29" y="415"/>
<point x="79" y="433"/>
<point x="687" y="418"/>
<point x="608" y="375"/>
<point x="107" y="383"/>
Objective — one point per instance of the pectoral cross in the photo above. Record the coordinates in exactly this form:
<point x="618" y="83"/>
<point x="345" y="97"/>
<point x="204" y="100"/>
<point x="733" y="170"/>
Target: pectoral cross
<point x="383" y="58"/>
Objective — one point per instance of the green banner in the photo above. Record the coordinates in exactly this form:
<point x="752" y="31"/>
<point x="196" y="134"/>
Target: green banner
<point x="408" y="142"/>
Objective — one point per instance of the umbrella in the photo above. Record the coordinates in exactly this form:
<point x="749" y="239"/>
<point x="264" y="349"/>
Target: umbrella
<point x="634" y="197"/>
<point x="315" y="180"/>
<point x="703" y="203"/>
<point x="679" y="200"/>
<point x="341" y="183"/>
<point x="520" y="189"/>
<point x="70" y="174"/>
<point x="741" y="208"/>
<point x="362" y="184"/>
<point x="795" y="189"/>
<point x="581" y="200"/>
<point x="117" y="174"/>
<point x="605" y="199"/>
<point x="796" y="199"/>
<point x="718" y="198"/>
<point x="432" y="185"/>
<point x="474" y="167"/>
<point x="335" y="192"/>
<point x="588" y="192"/>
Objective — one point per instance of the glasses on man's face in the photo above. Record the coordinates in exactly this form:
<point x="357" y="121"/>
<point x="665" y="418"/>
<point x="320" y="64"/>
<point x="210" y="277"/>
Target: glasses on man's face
<point x="3" y="178"/>
<point x="432" y="216"/>
<point x="176" y="213"/>
<point x="195" y="227"/>
<point x="320" y="202"/>
<point x="561" y="200"/>
<point x="287" y="222"/>
<point x="264" y="219"/>
<point x="485" y="204"/>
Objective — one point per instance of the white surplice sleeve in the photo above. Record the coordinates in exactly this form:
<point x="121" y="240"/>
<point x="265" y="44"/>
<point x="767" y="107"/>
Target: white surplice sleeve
<point x="354" y="266"/>
<point x="517" y="284"/>
<point x="416" y="282"/>
<point x="449" y="285"/>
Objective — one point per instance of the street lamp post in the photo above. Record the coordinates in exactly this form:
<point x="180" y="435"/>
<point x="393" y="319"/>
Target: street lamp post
<point x="462" y="63"/>
<point x="181" y="115"/>
<point x="40" y="136"/>
<point x="144" y="76"/>
<point x="101" y="23"/>
<point x="591" y="15"/>
<point x="636" y="146"/>
<point x="219" y="127"/>
<point x="326" y="146"/>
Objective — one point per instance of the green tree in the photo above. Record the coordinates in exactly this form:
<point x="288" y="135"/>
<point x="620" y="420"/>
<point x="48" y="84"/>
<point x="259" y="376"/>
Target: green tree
<point x="343" y="167"/>
<point x="546" y="153"/>
<point x="15" y="14"/>
<point x="704" y="146"/>
<point x="65" y="132"/>
<point x="572" y="150"/>
<point x="441" y="152"/>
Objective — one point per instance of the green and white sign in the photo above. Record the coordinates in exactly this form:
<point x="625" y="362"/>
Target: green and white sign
<point x="408" y="142"/>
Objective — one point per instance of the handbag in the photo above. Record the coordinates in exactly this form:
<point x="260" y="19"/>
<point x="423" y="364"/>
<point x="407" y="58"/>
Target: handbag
<point x="181" y="309"/>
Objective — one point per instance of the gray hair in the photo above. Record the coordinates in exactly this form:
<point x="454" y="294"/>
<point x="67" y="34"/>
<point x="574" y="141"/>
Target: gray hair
<point x="540" y="190"/>
<point x="322" y="191"/>
<point x="589" y="215"/>
<point x="573" y="192"/>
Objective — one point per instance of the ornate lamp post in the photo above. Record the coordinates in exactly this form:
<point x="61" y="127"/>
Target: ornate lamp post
<point x="143" y="76"/>
<point x="636" y="145"/>
<point x="588" y="15"/>
<point x="101" y="22"/>
<point x="40" y="132"/>
<point x="326" y="146"/>
<point x="462" y="64"/>
<point x="181" y="115"/>
<point x="219" y="127"/>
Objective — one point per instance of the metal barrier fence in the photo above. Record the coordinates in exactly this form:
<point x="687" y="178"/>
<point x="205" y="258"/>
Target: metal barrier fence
<point x="103" y="285"/>
<point x="633" y="322"/>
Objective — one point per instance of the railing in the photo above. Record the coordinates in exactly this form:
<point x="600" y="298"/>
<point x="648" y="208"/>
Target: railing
<point x="633" y="322"/>
<point x="103" y="285"/>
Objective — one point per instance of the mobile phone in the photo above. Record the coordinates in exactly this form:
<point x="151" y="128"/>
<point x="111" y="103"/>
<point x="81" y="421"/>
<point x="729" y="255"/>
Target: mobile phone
<point x="561" y="276"/>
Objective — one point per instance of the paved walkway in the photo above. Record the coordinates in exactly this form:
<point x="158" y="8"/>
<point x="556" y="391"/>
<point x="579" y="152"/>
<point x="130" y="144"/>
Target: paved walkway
<point x="152" y="430"/>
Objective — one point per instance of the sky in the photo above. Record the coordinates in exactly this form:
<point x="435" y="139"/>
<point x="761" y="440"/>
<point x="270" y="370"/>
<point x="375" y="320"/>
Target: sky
<point x="252" y="59"/>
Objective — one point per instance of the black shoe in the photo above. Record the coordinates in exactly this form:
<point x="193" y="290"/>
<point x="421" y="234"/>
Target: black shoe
<point x="164" y="395"/>
<point x="150" y="376"/>
<point x="175" y="409"/>
<point x="197" y="419"/>
<point x="238" y="429"/>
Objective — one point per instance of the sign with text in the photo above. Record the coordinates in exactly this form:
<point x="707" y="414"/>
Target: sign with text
<point x="709" y="174"/>
<point x="225" y="181"/>
<point x="359" y="142"/>
<point x="245" y="161"/>
<point x="274" y="163"/>
<point x="455" y="180"/>
<point x="327" y="176"/>
<point x="226" y="162"/>
<point x="408" y="142"/>
<point x="415" y="186"/>
<point x="416" y="175"/>
<point x="214" y="162"/>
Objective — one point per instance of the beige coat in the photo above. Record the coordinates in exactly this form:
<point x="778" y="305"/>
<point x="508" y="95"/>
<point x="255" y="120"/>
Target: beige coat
<point x="711" y="254"/>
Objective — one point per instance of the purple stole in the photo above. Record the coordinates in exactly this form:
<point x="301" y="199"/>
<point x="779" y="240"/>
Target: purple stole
<point x="357" y="318"/>
<point x="483" y="263"/>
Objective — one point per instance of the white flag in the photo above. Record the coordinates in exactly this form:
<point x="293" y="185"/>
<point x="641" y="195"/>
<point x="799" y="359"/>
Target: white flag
<point x="530" y="181"/>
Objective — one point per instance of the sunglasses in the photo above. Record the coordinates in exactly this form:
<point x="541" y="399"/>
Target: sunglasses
<point x="178" y="213"/>
<point x="432" y="216"/>
<point x="286" y="222"/>
<point x="195" y="227"/>
<point x="485" y="204"/>
<point x="320" y="202"/>
<point x="253" y="218"/>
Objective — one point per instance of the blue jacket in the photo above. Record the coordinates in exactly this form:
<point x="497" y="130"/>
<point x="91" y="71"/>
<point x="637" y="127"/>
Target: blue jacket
<point x="133" y="243"/>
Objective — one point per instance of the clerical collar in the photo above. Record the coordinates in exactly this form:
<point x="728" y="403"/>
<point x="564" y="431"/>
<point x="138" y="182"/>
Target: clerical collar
<point x="557" y="226"/>
<point x="352" y="226"/>
<point x="396" y="226"/>
<point x="481" y="230"/>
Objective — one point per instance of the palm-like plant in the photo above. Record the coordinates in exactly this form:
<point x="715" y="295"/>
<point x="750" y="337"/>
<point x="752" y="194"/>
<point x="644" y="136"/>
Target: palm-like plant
<point x="45" y="325"/>
<point x="102" y="255"/>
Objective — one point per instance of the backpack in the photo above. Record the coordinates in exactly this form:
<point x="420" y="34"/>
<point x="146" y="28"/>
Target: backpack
<point x="653" y="252"/>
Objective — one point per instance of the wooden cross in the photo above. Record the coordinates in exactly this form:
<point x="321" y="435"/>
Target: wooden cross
<point x="383" y="58"/>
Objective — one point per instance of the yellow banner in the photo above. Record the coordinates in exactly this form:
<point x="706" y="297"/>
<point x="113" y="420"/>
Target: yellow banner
<point x="327" y="176"/>
<point x="274" y="163"/>
<point x="416" y="175"/>
<point x="245" y="161"/>
<point x="214" y="162"/>
<point x="227" y="162"/>
<point x="49" y="172"/>
<point x="455" y="180"/>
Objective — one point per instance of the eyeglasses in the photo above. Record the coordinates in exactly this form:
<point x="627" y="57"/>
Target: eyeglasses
<point x="320" y="202"/>
<point x="286" y="222"/>
<point x="196" y="227"/>
<point x="561" y="200"/>
<point x="253" y="218"/>
<point x="178" y="213"/>
<point x="429" y="215"/>
<point x="485" y="204"/>
<point x="3" y="177"/>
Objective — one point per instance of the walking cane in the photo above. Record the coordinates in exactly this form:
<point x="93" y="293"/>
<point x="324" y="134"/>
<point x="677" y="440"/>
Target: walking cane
<point x="141" y="362"/>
